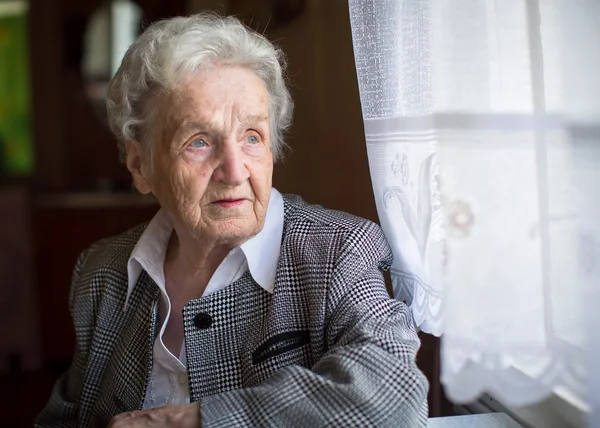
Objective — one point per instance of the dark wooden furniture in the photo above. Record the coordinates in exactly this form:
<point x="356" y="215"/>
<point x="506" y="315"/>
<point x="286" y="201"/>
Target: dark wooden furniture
<point x="75" y="155"/>
<point x="74" y="149"/>
<point x="63" y="227"/>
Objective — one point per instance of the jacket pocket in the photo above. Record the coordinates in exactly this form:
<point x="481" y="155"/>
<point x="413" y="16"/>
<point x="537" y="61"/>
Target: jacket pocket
<point x="280" y="344"/>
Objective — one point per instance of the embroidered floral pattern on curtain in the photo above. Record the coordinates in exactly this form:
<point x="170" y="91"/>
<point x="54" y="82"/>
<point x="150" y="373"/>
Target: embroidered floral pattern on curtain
<point x="490" y="110"/>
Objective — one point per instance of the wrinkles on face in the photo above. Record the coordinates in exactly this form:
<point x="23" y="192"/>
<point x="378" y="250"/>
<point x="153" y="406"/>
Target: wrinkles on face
<point x="212" y="179"/>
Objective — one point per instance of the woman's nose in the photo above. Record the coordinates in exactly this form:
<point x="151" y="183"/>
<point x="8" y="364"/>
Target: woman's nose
<point x="231" y="168"/>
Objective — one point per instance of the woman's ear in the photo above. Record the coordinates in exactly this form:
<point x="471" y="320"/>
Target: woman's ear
<point x="137" y="166"/>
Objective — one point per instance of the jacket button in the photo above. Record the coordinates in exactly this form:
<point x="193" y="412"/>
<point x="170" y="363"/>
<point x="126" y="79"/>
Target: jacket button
<point x="203" y="320"/>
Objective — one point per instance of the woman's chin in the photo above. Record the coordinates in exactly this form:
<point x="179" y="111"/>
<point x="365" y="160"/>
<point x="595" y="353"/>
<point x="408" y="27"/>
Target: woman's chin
<point x="230" y="230"/>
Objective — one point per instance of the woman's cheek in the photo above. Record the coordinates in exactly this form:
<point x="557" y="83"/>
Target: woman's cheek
<point x="255" y="150"/>
<point x="188" y="179"/>
<point x="194" y="155"/>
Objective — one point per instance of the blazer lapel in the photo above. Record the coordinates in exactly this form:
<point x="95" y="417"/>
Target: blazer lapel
<point x="129" y="363"/>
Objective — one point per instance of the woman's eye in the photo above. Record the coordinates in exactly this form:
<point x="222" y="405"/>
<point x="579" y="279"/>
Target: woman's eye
<point x="199" y="142"/>
<point x="252" y="139"/>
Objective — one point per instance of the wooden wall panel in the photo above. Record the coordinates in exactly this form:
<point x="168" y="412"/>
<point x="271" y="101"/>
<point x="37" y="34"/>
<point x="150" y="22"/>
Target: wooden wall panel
<point x="74" y="150"/>
<point x="61" y="233"/>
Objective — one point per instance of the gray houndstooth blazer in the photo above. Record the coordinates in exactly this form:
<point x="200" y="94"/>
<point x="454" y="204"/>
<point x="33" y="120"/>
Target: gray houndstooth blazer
<point x="327" y="348"/>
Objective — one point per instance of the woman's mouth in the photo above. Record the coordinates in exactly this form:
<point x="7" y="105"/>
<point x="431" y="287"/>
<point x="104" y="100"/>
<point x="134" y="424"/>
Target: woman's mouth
<point x="229" y="203"/>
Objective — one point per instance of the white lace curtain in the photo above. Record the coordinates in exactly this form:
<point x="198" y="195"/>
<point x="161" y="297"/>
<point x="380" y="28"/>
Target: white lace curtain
<point x="482" y="122"/>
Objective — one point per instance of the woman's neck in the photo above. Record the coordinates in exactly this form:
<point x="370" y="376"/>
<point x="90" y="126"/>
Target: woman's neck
<point x="190" y="264"/>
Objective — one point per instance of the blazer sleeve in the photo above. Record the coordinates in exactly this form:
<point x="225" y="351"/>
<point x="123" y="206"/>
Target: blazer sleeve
<point x="62" y="408"/>
<point x="368" y="376"/>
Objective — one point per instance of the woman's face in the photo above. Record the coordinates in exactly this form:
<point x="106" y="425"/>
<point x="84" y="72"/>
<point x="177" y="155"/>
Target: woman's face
<point x="212" y="163"/>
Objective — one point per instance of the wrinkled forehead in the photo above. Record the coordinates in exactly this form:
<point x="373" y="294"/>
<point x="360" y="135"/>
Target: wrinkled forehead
<point x="217" y="94"/>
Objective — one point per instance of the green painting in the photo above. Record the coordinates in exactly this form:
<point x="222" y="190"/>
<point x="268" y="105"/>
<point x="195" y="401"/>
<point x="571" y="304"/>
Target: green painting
<point x="16" y="143"/>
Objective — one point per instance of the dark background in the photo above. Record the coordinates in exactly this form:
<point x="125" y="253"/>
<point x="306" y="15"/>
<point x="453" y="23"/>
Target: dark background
<point x="78" y="192"/>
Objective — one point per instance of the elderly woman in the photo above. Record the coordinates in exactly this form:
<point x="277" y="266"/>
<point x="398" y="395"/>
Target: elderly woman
<point x="236" y="305"/>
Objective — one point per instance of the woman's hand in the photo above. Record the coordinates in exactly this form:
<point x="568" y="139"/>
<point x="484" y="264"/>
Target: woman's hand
<point x="173" y="416"/>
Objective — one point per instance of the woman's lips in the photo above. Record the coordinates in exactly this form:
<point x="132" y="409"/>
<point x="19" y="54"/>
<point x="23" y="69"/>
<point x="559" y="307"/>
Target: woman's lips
<point x="229" y="203"/>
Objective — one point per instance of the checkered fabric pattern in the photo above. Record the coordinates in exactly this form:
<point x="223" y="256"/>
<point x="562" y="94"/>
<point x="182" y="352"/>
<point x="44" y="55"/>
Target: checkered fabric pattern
<point x="327" y="348"/>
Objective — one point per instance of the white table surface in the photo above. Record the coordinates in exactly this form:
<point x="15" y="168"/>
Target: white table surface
<point x="487" y="420"/>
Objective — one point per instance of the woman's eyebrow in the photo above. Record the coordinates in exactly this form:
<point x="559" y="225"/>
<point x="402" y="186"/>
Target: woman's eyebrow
<point x="195" y="125"/>
<point x="254" y="118"/>
<point x="187" y="127"/>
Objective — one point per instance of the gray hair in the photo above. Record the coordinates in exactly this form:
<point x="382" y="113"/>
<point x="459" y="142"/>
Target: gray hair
<point x="171" y="49"/>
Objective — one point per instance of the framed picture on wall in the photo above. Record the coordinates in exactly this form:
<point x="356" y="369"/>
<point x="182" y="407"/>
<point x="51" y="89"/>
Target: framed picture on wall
<point x="16" y="146"/>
